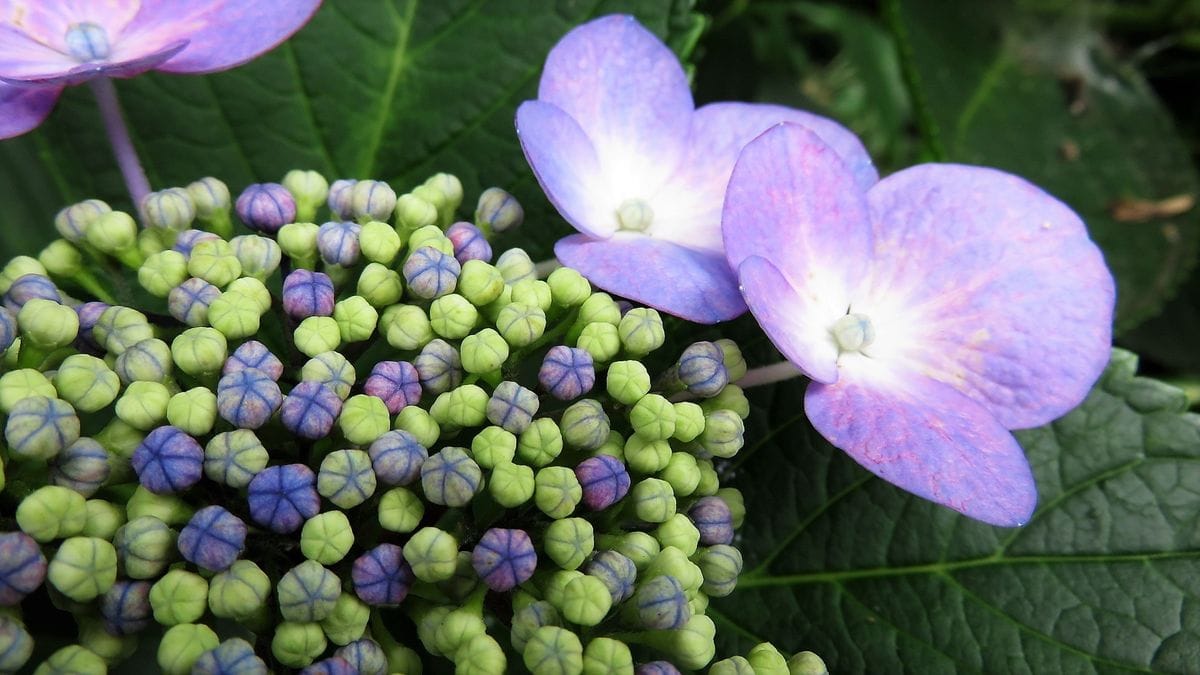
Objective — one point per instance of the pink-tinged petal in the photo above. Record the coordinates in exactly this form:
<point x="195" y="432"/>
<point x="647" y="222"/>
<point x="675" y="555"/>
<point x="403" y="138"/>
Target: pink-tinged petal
<point x="23" y="56"/>
<point x="688" y="210"/>
<point x="564" y="161"/>
<point x="221" y="34"/>
<point x="629" y="94"/>
<point x="21" y="109"/>
<point x="926" y="438"/>
<point x="991" y="286"/>
<point x="796" y="320"/>
<point x="82" y="72"/>
<point x="792" y="200"/>
<point x="690" y="284"/>
<point x="47" y="21"/>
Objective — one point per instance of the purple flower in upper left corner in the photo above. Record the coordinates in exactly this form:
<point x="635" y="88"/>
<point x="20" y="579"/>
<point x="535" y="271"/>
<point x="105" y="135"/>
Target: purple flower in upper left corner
<point x="46" y="45"/>
<point x="619" y="147"/>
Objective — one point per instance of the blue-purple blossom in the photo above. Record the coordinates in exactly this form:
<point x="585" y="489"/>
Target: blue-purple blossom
<point x="266" y="207"/>
<point x="714" y="520"/>
<point x="247" y="398"/>
<point x="56" y="43"/>
<point x="469" y="242"/>
<point x="701" y="369"/>
<point x="567" y="372"/>
<point x="365" y="656"/>
<point x="234" y="656"/>
<point x="307" y="293"/>
<point x="934" y="311"/>
<point x="307" y="592"/>
<point x="450" y="477"/>
<point x="617" y="572"/>
<point x="82" y="466"/>
<point x="334" y="665"/>
<point x="282" y="497"/>
<point x="662" y="603"/>
<point x="8" y="328"/>
<point x="397" y="383"/>
<point x="656" y="668"/>
<point x="619" y="147"/>
<point x="439" y="366"/>
<point x="213" y="539"/>
<point x="89" y="313"/>
<point x="397" y="457"/>
<point x="430" y="273"/>
<point x="125" y="607"/>
<point x="381" y="576"/>
<point x="504" y="558"/>
<point x="512" y="407"/>
<point x="22" y="567"/>
<point x="189" y="302"/>
<point x="254" y="354"/>
<point x="338" y="242"/>
<point x="28" y="287"/>
<point x="604" y="479"/>
<point x="168" y="460"/>
<point x="187" y="240"/>
<point x="339" y="200"/>
<point x="310" y="410"/>
<point x="346" y="478"/>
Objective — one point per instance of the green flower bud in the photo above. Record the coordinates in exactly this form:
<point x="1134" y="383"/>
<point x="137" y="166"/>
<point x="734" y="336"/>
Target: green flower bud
<point x="628" y="381"/>
<point x="379" y="286"/>
<point x="653" y="500"/>
<point x="254" y="290"/>
<point x="806" y="663"/>
<point x="585" y="601"/>
<point x="210" y="196"/>
<point x="492" y="309"/>
<point x="200" y="351"/>
<point x="682" y="472"/>
<point x="348" y="621"/>
<point x="653" y="418"/>
<point x="168" y="508"/>
<point x="84" y="381"/>
<point x="521" y="324"/>
<point x="40" y="427"/>
<point x="723" y="433"/>
<point x="709" y="482"/>
<point x="451" y="190"/>
<point x="689" y="421"/>
<point x="400" y="510"/>
<point x="346" y="478"/>
<point x="680" y="532"/>
<point x="144" y="404"/>
<point x="435" y="197"/>
<point x="406" y="327"/>
<point x="364" y="418"/>
<point x="17" y="268"/>
<point x="146" y="361"/>
<point x="644" y="456"/>
<point x="640" y="547"/>
<point x="18" y="385"/>
<point x="47" y="324"/>
<point x="379" y="242"/>
<point x="428" y="622"/>
<point x="735" y="665"/>
<point x="83" y="568"/>
<point x="456" y="629"/>
<point x="452" y="316"/>
<point x="194" y="411"/>
<point x="146" y="545"/>
<point x="553" y="651"/>
<point x="52" y="512"/>
<point x="309" y="189"/>
<point x="568" y="288"/>
<point x="511" y="484"/>
<point x="641" y="331"/>
<point x="401" y="659"/>
<point x="431" y="235"/>
<point x="163" y="271"/>
<point x="720" y="565"/>
<point x="607" y="656"/>
<point x="120" y="328"/>
<point x="541" y="443"/>
<point x="493" y="446"/>
<point x="765" y="659"/>
<point x="214" y="261"/>
<point x="497" y="211"/>
<point x="299" y="242"/>
<point x="690" y="647"/>
<point x="315" y="335"/>
<point x="153" y="240"/>
<point x="552" y="586"/>
<point x="432" y="553"/>
<point x="239" y="592"/>
<point x="557" y="491"/>
<point x="238" y="315"/>
<point x="419" y="423"/>
<point x="73" y="659"/>
<point x="527" y="620"/>
<point x="480" y="282"/>
<point x="569" y="542"/>
<point x="413" y="213"/>
<point x="103" y="519"/>
<point x="732" y="398"/>
<point x="332" y="369"/>
<point x="515" y="265"/>
<point x="585" y="425"/>
<point x="113" y="649"/>
<point x="73" y="221"/>
<point x="483" y="352"/>
<point x="672" y="562"/>
<point x="737" y="505"/>
<point x="600" y="340"/>
<point x="735" y="363"/>
<point x="481" y="655"/>
<point x="532" y="292"/>
<point x="355" y="318"/>
<point x="61" y="259"/>
<point x="179" y="597"/>
<point x="326" y="537"/>
<point x="113" y="232"/>
<point x="170" y="209"/>
<point x="307" y="592"/>
<point x="465" y="406"/>
<point x="296" y="644"/>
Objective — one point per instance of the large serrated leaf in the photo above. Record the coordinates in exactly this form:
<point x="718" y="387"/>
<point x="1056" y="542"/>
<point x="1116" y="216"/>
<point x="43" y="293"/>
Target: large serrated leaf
<point x="1103" y="579"/>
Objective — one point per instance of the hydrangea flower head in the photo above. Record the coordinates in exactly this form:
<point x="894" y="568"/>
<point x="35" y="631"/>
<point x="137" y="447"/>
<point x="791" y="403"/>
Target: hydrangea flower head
<point x="619" y="147"/>
<point x="934" y="311"/>
<point x="46" y="45"/>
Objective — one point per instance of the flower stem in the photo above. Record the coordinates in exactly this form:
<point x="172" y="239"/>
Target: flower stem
<point x="776" y="372"/>
<point x="118" y="135"/>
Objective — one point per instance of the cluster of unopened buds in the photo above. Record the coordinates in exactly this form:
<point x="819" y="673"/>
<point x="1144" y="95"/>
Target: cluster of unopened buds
<point x="353" y="447"/>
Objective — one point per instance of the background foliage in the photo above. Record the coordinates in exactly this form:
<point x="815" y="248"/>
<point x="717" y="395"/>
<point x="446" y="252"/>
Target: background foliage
<point x="1095" y="101"/>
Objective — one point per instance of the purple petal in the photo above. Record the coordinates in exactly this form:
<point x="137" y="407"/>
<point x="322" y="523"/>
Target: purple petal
<point x="925" y="438"/>
<point x="797" y="323"/>
<point x="628" y="93"/>
<point x="21" y="109"/>
<point x="82" y="72"/>
<point x="22" y="55"/>
<point x="564" y="161"/>
<point x="992" y="286"/>
<point x="690" y="284"/>
<point x="47" y="21"/>
<point x="222" y="34"/>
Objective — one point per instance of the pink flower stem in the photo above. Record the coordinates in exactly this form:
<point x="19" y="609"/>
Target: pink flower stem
<point x="118" y="135"/>
<point x="776" y="372"/>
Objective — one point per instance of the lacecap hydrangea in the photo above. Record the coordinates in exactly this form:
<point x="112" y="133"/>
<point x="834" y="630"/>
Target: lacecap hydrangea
<point x="338" y="434"/>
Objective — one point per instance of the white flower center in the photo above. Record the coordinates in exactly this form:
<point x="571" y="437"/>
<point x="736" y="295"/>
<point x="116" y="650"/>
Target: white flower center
<point x="87" y="42"/>
<point x="634" y="215"/>
<point x="853" y="333"/>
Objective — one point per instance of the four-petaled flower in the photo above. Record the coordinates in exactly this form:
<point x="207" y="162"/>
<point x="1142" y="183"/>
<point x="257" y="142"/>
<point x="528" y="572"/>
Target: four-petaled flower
<point x="46" y="45"/>
<point x="934" y="311"/>
<point x="621" y="150"/>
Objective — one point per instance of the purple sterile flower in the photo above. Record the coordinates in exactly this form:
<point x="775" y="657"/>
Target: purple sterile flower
<point x="168" y="460"/>
<point x="620" y="149"/>
<point x="714" y="520"/>
<point x="307" y="293"/>
<point x="189" y="302"/>
<point x="567" y="372"/>
<point x="27" y="288"/>
<point x="254" y="354"/>
<point x="89" y="313"/>
<point x="187" y="240"/>
<point x="247" y="398"/>
<point x="125" y="607"/>
<point x="339" y="198"/>
<point x="504" y="558"/>
<point x="50" y="44"/>
<point x="397" y="457"/>
<point x="382" y="576"/>
<point x="933" y="312"/>
<point x="469" y="242"/>
<point x="310" y="409"/>
<point x="397" y="383"/>
<point x="338" y="242"/>
<point x="283" y="497"/>
<point x="266" y="207"/>
<point x="213" y="539"/>
<point x="512" y="407"/>
<point x="22" y="567"/>
<point x="430" y="273"/>
<point x="334" y="665"/>
<point x="604" y="480"/>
